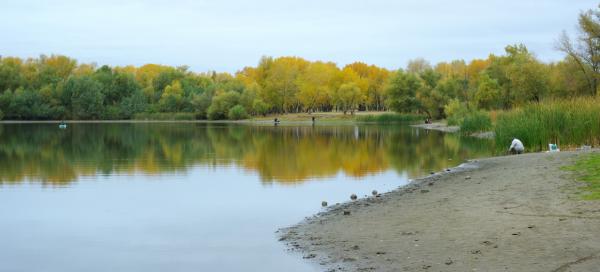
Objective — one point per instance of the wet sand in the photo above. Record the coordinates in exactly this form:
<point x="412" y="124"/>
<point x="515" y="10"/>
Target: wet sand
<point x="513" y="213"/>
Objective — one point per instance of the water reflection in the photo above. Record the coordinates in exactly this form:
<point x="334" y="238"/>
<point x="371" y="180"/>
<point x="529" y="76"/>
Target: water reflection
<point x="283" y="154"/>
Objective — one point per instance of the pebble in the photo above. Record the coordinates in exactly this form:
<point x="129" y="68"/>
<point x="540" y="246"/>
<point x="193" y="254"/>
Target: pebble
<point x="324" y="203"/>
<point x="355" y="247"/>
<point x="424" y="191"/>
<point x="310" y="256"/>
<point x="353" y="197"/>
<point x="346" y="212"/>
<point x="468" y="177"/>
<point x="374" y="192"/>
<point x="449" y="262"/>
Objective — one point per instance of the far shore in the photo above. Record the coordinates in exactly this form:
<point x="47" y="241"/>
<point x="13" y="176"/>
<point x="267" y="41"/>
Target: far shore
<point x="511" y="213"/>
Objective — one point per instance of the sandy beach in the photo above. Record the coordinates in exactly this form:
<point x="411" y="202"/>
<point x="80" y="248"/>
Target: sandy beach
<point x="512" y="213"/>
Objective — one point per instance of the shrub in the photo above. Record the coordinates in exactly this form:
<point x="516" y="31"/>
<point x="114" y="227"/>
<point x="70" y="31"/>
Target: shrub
<point x="237" y="112"/>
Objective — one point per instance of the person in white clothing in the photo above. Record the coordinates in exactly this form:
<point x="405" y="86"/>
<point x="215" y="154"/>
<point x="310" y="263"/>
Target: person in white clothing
<point x="516" y="147"/>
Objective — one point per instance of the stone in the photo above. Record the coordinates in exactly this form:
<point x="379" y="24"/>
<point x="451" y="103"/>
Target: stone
<point x="374" y="192"/>
<point x="324" y="203"/>
<point x="353" y="196"/>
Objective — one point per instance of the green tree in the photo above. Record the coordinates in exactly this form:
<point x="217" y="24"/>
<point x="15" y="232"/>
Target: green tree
<point x="172" y="97"/>
<point x="86" y="99"/>
<point x="401" y="92"/>
<point x="347" y="97"/>
<point x="237" y="112"/>
<point x="488" y="93"/>
<point x="259" y="107"/>
<point x="586" y="52"/>
<point x="136" y="103"/>
<point x="221" y="103"/>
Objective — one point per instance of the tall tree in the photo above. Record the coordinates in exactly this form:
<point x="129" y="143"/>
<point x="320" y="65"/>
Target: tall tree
<point x="585" y="51"/>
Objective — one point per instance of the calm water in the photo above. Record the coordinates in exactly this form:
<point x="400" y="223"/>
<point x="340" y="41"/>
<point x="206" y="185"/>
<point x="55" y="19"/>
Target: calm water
<point x="191" y="197"/>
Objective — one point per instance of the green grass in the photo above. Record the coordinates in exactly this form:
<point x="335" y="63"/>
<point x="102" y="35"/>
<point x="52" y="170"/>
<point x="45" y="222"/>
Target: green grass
<point x="588" y="170"/>
<point x="165" y="116"/>
<point x="391" y="118"/>
<point x="570" y="123"/>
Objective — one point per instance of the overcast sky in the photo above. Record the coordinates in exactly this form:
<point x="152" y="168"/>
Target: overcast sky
<point x="226" y="35"/>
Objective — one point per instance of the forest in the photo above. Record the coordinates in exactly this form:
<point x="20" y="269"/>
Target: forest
<point x="57" y="87"/>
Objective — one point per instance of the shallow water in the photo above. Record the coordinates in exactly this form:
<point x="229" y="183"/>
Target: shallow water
<point x="189" y="196"/>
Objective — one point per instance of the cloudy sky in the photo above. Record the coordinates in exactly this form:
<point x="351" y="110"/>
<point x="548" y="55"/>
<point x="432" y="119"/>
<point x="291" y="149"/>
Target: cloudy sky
<point x="226" y="35"/>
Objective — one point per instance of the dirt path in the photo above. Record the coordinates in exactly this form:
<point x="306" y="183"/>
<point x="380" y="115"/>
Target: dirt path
<point x="517" y="213"/>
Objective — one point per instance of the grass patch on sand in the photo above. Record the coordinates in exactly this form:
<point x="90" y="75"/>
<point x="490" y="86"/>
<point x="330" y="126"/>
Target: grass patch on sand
<point x="588" y="171"/>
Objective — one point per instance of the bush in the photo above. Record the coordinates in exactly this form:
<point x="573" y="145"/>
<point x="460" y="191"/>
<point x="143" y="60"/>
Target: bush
<point x="237" y="112"/>
<point x="1" y="115"/>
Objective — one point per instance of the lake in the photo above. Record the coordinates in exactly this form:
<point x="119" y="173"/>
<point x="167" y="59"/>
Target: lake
<point x="192" y="196"/>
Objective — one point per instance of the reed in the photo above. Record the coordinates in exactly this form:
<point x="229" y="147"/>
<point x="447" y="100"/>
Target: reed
<point x="391" y="118"/>
<point x="178" y="116"/>
<point x="568" y="123"/>
<point x="477" y="121"/>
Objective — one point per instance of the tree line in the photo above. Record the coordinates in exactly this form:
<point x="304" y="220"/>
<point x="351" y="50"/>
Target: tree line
<point x="58" y="87"/>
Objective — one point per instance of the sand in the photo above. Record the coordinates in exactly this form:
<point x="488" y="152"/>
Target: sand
<point x="513" y="213"/>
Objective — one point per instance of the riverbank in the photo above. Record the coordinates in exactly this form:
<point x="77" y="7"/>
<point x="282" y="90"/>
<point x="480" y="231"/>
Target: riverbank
<point x="514" y="213"/>
<point x="291" y="118"/>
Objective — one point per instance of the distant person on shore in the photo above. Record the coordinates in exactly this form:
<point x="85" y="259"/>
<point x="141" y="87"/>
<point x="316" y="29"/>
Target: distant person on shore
<point x="516" y="147"/>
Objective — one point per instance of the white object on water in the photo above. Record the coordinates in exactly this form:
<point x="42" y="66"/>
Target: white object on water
<point x="517" y="145"/>
<point x="553" y="148"/>
<point x="62" y="126"/>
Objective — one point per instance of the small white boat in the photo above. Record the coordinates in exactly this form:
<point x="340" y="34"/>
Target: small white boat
<point x="62" y="126"/>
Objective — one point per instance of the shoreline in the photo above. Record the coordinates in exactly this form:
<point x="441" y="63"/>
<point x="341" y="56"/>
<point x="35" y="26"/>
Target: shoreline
<point x="441" y="126"/>
<point x="476" y="217"/>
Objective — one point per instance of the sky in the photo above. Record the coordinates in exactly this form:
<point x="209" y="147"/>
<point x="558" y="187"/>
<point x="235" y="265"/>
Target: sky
<point x="227" y="35"/>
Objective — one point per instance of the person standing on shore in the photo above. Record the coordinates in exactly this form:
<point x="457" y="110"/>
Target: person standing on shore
<point x="516" y="147"/>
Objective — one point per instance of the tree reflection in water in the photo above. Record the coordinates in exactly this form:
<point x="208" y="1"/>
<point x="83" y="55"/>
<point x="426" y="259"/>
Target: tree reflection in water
<point x="284" y="154"/>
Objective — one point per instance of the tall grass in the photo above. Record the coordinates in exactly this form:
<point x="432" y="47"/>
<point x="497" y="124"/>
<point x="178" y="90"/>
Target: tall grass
<point x="179" y="116"/>
<point x="391" y="118"/>
<point x="476" y="121"/>
<point x="567" y="123"/>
